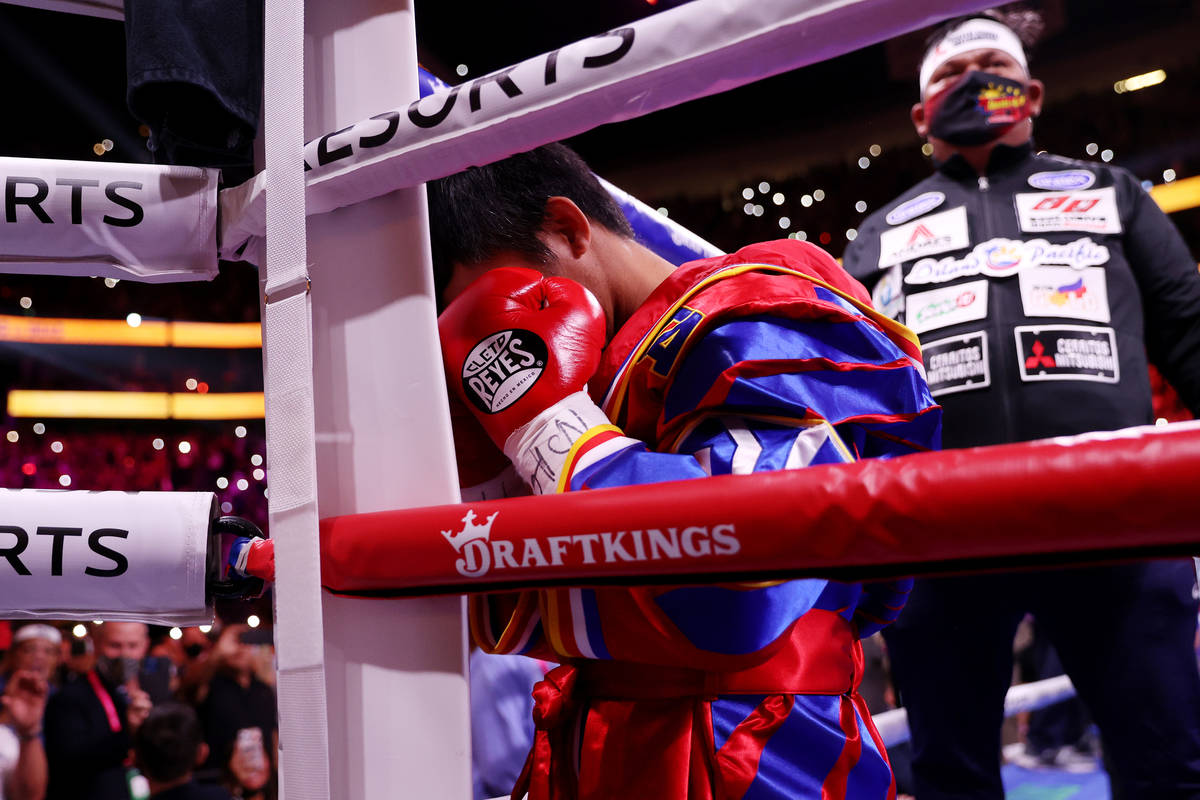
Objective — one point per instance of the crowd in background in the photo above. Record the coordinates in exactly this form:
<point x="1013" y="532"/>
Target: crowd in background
<point x="132" y="711"/>
<point x="143" y="457"/>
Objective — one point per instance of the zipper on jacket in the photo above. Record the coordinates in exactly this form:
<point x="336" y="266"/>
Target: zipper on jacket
<point x="996" y="317"/>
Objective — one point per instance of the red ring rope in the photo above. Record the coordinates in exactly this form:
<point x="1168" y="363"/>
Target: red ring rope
<point x="1098" y="497"/>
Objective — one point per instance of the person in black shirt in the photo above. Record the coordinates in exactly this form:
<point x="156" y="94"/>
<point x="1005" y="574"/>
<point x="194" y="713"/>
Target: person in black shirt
<point x="167" y="747"/>
<point x="237" y="713"/>
<point x="89" y="721"/>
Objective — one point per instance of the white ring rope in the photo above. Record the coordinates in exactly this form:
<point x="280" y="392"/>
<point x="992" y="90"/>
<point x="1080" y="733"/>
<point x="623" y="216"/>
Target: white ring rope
<point x="893" y="724"/>
<point x="692" y="51"/>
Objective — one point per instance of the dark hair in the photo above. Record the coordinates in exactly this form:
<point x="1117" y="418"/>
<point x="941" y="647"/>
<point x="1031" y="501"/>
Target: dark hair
<point x="1026" y="23"/>
<point x="167" y="743"/>
<point x="482" y="211"/>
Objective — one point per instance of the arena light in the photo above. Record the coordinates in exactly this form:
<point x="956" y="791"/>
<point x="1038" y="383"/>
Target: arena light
<point x="1177" y="195"/>
<point x="134" y="405"/>
<point x="1142" y="81"/>
<point x="149" y="333"/>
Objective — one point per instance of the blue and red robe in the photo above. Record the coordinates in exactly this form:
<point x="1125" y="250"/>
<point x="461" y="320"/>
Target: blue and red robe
<point x="769" y="358"/>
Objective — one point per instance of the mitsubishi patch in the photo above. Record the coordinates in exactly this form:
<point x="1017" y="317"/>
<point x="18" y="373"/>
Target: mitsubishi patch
<point x="503" y="367"/>
<point x="1067" y="353"/>
<point x="957" y="363"/>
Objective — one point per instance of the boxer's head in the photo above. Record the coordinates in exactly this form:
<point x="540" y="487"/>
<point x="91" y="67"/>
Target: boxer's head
<point x="976" y="90"/>
<point x="542" y="209"/>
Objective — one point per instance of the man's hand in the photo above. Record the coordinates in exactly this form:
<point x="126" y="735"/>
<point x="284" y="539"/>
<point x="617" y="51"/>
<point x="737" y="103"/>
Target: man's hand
<point x="139" y="706"/>
<point x="24" y="702"/>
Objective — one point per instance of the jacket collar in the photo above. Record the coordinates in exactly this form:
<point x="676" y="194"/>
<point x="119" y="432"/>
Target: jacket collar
<point x="1003" y="158"/>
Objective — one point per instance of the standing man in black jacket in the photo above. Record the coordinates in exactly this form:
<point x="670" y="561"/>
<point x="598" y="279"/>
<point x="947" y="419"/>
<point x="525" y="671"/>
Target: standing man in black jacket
<point x="1039" y="286"/>
<point x="90" y="722"/>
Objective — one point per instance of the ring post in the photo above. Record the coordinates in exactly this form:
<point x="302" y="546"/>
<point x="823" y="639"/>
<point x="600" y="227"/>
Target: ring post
<point x="395" y="669"/>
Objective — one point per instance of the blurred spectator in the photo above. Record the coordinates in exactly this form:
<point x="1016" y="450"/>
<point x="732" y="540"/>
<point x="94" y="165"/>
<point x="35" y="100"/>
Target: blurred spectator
<point x="237" y="711"/>
<point x="90" y="723"/>
<point x="501" y="719"/>
<point x="194" y="646"/>
<point x="23" y="770"/>
<point x="167" y="748"/>
<point x="36" y="647"/>
<point x="78" y="659"/>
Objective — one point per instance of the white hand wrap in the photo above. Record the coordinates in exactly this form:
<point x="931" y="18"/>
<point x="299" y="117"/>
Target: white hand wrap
<point x="539" y="448"/>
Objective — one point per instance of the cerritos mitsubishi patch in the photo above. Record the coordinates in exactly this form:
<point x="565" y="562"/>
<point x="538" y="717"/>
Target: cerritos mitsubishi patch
<point x="909" y="209"/>
<point x="503" y="367"/>
<point x="1065" y="292"/>
<point x="957" y="363"/>
<point x="1063" y="180"/>
<point x="999" y="258"/>
<point x="1067" y="353"/>
<point x="1091" y="210"/>
<point x="937" y="308"/>
<point x="937" y="233"/>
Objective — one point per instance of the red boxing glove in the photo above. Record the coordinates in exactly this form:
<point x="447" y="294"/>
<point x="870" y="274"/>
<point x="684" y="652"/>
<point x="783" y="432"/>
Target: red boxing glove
<point x="519" y="348"/>
<point x="516" y="342"/>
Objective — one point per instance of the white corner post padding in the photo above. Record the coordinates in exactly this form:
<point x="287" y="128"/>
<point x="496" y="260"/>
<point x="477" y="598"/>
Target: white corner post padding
<point x="137" y="556"/>
<point x="395" y="669"/>
<point x="135" y="221"/>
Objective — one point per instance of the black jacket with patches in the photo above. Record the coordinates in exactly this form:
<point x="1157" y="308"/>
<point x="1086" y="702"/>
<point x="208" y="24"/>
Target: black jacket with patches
<point x="1038" y="292"/>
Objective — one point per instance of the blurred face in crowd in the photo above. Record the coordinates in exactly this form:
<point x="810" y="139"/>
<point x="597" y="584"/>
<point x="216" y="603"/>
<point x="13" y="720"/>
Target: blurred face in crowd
<point x="39" y="655"/>
<point x="122" y="640"/>
<point x="237" y="657"/>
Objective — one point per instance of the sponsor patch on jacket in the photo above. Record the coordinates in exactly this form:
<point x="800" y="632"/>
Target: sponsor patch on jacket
<point x="937" y="308"/>
<point x="888" y="294"/>
<point x="999" y="258"/>
<point x="909" y="209"/>
<point x="1063" y="180"/>
<point x="1067" y="353"/>
<point x="1065" y="292"/>
<point x="957" y="363"/>
<point x="1091" y="210"/>
<point x="937" y="233"/>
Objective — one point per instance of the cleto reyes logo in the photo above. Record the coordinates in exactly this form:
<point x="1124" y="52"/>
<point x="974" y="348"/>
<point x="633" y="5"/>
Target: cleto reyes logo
<point x="478" y="554"/>
<point x="502" y="368"/>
